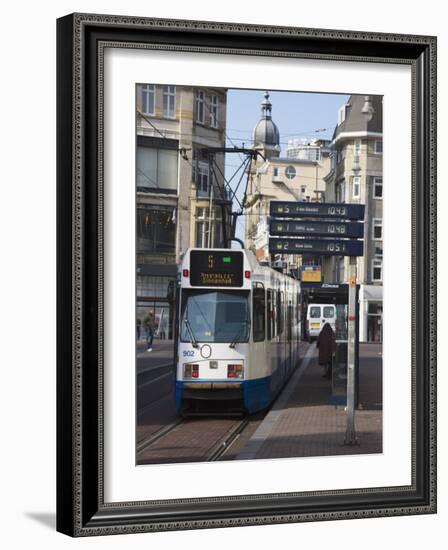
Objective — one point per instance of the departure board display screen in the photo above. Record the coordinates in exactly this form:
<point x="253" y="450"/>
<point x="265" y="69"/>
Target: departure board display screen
<point x="331" y="247"/>
<point x="310" y="229"/>
<point x="216" y="268"/>
<point x="290" y="209"/>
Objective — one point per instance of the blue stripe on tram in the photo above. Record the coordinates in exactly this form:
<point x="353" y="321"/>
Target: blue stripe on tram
<point x="257" y="394"/>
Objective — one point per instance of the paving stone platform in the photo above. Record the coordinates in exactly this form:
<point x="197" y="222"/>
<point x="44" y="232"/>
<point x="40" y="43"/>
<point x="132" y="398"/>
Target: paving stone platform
<point x="303" y="423"/>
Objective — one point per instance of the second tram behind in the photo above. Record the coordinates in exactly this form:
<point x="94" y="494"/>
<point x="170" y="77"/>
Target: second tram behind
<point x="238" y="331"/>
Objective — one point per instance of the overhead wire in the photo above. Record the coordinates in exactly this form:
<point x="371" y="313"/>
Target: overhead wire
<point x="230" y="138"/>
<point x="244" y="163"/>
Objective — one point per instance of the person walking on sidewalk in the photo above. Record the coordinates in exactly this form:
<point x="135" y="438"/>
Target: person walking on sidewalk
<point x="150" y="325"/>
<point x="326" y="343"/>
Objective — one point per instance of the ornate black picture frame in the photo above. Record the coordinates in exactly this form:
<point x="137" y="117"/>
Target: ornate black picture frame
<point x="81" y="509"/>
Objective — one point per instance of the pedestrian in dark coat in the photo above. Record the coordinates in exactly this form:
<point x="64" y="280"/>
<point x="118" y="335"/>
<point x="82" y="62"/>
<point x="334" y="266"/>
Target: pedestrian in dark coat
<point x="326" y="343"/>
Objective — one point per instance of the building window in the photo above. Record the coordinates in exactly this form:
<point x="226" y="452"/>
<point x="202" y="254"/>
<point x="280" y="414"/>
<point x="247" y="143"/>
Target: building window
<point x="340" y="191"/>
<point x="357" y="147"/>
<point x="375" y="308"/>
<point x="378" y="146"/>
<point x="340" y="275"/>
<point x="149" y="286"/>
<point x="377" y="269"/>
<point x="275" y="172"/>
<point x="202" y="184"/>
<point x="290" y="172"/>
<point x="169" y="101"/>
<point x="356" y="187"/>
<point x="156" y="166"/>
<point x="342" y="113"/>
<point x="200" y="106"/>
<point x="156" y="230"/>
<point x="208" y="228"/>
<point x="214" y="111"/>
<point x="377" y="228"/>
<point x="201" y="229"/>
<point x="313" y="154"/>
<point x="377" y="188"/>
<point x="148" y="99"/>
<point x="333" y="158"/>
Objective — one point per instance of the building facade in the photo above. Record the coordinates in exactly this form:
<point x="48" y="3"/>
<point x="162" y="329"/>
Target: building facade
<point x="356" y="176"/>
<point x="308" y="149"/>
<point x="181" y="197"/>
<point x="299" y="176"/>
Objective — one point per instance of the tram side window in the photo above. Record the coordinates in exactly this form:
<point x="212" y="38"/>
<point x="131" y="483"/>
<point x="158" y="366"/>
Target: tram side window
<point x="274" y="331"/>
<point x="269" y="311"/>
<point x="279" y="312"/>
<point x="289" y="322"/>
<point x="259" y="312"/>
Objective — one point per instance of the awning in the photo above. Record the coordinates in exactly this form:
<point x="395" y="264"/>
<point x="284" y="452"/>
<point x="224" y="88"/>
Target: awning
<point x="371" y="293"/>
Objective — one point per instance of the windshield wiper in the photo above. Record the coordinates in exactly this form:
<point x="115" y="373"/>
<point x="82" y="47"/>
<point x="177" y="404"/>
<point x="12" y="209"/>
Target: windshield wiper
<point x="239" y="333"/>
<point x="190" y="332"/>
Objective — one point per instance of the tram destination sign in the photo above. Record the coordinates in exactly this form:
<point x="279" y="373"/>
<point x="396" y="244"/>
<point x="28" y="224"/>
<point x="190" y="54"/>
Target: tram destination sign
<point x="321" y="229"/>
<point x="291" y="209"/>
<point x="216" y="268"/>
<point x="329" y="247"/>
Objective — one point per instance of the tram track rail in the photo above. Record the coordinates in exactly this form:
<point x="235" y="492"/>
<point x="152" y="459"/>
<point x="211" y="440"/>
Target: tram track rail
<point x="153" y="438"/>
<point x="221" y="447"/>
<point x="214" y="452"/>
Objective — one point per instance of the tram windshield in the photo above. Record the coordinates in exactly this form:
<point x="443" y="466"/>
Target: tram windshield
<point x="215" y="316"/>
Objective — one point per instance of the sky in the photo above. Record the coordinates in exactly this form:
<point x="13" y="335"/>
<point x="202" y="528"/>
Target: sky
<point x="296" y="114"/>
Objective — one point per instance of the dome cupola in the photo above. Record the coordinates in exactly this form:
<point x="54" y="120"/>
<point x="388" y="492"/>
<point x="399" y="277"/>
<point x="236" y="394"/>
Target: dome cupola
<point x="265" y="134"/>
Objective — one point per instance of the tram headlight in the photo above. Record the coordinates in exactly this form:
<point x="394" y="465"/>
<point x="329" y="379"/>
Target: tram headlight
<point x="235" y="371"/>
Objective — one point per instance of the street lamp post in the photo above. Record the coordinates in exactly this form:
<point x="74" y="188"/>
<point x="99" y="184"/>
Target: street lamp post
<point x="350" y="433"/>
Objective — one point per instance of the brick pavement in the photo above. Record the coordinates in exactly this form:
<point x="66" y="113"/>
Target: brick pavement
<point x="303" y="423"/>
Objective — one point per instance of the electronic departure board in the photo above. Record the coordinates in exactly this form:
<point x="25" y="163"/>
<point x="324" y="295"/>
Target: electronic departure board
<point x="329" y="247"/>
<point x="310" y="229"/>
<point x="216" y="268"/>
<point x="289" y="209"/>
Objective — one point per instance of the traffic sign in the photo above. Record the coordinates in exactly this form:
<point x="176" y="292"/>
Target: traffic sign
<point x="330" y="247"/>
<point x="291" y="209"/>
<point x="324" y="229"/>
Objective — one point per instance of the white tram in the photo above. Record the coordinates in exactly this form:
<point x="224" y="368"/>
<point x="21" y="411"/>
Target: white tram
<point x="238" y="331"/>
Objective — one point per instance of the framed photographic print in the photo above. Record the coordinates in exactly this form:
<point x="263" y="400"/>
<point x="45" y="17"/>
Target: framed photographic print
<point x="246" y="274"/>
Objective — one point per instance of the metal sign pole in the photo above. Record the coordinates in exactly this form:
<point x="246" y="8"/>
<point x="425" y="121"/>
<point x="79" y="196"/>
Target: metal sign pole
<point x="350" y="434"/>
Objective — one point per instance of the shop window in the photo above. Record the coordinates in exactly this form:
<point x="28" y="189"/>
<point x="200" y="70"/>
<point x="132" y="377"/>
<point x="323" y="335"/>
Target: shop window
<point x="156" y="229"/>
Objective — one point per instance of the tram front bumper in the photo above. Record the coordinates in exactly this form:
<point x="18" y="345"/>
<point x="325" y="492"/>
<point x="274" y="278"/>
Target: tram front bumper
<point x="212" y="391"/>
